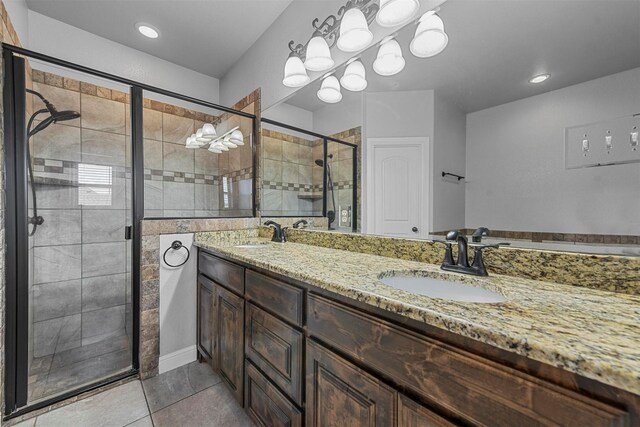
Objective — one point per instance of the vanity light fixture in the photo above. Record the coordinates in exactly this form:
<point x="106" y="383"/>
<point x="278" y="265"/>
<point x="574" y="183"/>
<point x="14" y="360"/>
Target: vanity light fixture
<point x="354" y="77"/>
<point x="430" y="38"/>
<point x="318" y="54"/>
<point x="329" y="92"/>
<point x="396" y="12"/>
<point x="208" y="131"/>
<point x="354" y="31"/>
<point x="207" y="135"/>
<point x="539" y="78"/>
<point x="295" y="74"/>
<point x="147" y="30"/>
<point x="236" y="137"/>
<point x="201" y="138"/>
<point x="389" y="60"/>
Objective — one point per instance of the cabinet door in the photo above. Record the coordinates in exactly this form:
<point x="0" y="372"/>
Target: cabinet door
<point x="412" y="414"/>
<point x="230" y="352"/>
<point x="206" y="340"/>
<point x="266" y="405"/>
<point x="338" y="393"/>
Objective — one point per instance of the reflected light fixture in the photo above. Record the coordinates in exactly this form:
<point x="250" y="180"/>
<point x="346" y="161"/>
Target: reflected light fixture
<point x="237" y="137"/>
<point x="354" y="77"/>
<point x="329" y="92"/>
<point x="354" y="31"/>
<point x="318" y="54"/>
<point x="389" y="60"/>
<point x="208" y="131"/>
<point x="200" y="138"/>
<point x="147" y="30"/>
<point x="295" y="74"/>
<point x="430" y="38"/>
<point x="396" y="12"/>
<point x="539" y="78"/>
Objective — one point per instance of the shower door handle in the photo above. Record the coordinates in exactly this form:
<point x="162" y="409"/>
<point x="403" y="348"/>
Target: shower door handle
<point x="128" y="232"/>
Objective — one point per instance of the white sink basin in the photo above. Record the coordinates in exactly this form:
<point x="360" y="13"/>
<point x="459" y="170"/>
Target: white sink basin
<point x="444" y="289"/>
<point x="253" y="246"/>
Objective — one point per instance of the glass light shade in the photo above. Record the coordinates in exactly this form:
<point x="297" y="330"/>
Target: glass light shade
<point x="354" y="78"/>
<point x="191" y="143"/>
<point x="237" y="137"/>
<point x="295" y="75"/>
<point x="215" y="149"/>
<point x="208" y="130"/>
<point x="201" y="138"/>
<point x="354" y="31"/>
<point x="227" y="142"/>
<point x="330" y="90"/>
<point x="318" y="54"/>
<point x="220" y="146"/>
<point x="430" y="38"/>
<point x="396" y="12"/>
<point x="389" y="60"/>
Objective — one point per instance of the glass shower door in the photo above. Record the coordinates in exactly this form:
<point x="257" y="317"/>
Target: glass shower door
<point x="79" y="208"/>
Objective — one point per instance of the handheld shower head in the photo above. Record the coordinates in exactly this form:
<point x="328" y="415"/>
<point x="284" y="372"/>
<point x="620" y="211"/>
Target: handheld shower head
<point x="63" y="116"/>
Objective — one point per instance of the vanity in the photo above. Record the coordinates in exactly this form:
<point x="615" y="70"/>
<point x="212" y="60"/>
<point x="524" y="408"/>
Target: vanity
<point x="305" y="335"/>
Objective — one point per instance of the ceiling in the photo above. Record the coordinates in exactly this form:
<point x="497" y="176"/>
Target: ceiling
<point x="495" y="46"/>
<point x="207" y="36"/>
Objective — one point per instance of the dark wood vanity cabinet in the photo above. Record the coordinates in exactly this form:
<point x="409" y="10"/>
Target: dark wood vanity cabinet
<point x="302" y="357"/>
<point x="221" y="320"/>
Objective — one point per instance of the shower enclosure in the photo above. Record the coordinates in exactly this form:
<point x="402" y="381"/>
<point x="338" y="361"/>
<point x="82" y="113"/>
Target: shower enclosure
<point x="307" y="174"/>
<point x="85" y="152"/>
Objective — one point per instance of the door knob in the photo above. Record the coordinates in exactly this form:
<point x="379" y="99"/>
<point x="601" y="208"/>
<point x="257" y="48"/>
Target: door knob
<point x="414" y="229"/>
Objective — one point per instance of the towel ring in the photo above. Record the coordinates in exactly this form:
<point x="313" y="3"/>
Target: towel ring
<point x="176" y="245"/>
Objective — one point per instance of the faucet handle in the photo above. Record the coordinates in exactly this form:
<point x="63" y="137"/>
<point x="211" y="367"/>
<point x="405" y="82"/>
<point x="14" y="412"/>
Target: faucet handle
<point x="453" y="235"/>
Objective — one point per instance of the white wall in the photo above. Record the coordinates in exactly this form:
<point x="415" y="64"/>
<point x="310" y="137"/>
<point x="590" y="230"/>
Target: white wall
<point x="449" y="156"/>
<point x="178" y="304"/>
<point x="60" y="40"/>
<point x="334" y="118"/>
<point x="396" y="114"/>
<point x="291" y="115"/>
<point x="516" y="168"/>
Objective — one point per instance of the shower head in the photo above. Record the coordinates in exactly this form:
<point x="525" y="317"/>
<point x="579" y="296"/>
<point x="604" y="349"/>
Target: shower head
<point x="55" y="116"/>
<point x="320" y="162"/>
<point x="62" y="116"/>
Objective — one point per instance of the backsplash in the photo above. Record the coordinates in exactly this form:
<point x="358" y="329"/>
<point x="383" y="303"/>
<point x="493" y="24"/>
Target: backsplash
<point x="603" y="272"/>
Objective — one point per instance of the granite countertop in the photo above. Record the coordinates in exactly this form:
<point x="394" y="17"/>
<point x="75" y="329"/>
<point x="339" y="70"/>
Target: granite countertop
<point x="593" y="333"/>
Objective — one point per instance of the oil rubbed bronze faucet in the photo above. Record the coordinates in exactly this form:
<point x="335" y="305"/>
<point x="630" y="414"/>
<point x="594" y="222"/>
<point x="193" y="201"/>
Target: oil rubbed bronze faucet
<point x="278" y="232"/>
<point x="461" y="265"/>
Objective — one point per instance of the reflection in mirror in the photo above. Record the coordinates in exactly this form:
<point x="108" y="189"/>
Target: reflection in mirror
<point x="535" y="108"/>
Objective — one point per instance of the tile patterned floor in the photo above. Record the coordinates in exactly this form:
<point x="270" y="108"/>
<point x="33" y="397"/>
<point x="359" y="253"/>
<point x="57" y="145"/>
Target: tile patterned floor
<point x="65" y="370"/>
<point x="190" y="396"/>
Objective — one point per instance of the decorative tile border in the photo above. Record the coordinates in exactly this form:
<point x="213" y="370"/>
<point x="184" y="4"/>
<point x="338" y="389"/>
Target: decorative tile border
<point x="118" y="96"/>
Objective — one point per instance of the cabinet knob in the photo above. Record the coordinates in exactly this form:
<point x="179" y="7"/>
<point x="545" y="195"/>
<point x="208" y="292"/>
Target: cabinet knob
<point x="414" y="229"/>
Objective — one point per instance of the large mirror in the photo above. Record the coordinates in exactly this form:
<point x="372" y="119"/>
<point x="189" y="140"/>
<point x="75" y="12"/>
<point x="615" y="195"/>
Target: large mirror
<point x="527" y="124"/>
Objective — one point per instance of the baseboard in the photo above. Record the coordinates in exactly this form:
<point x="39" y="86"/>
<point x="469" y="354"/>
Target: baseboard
<point x="177" y="358"/>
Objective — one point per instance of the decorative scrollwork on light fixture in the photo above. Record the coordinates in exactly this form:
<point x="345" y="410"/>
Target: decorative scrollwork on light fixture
<point x="330" y="27"/>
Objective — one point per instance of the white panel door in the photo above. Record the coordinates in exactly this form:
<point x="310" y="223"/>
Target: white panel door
<point x="397" y="187"/>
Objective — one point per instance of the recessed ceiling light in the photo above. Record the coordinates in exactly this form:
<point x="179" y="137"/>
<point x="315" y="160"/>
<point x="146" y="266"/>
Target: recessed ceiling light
<point x="539" y="78"/>
<point x="148" y="30"/>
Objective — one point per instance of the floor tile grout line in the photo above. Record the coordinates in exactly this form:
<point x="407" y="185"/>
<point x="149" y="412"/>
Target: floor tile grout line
<point x="146" y="400"/>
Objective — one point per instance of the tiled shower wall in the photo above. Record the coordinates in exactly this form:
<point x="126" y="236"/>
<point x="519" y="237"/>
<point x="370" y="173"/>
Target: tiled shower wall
<point x="292" y="182"/>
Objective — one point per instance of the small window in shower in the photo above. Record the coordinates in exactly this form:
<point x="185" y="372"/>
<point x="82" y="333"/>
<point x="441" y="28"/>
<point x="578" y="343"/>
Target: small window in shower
<point x="95" y="185"/>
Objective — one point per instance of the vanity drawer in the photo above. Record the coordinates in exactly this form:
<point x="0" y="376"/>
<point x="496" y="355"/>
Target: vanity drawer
<point x="276" y="348"/>
<point x="476" y="389"/>
<point x="222" y="272"/>
<point x="266" y="405"/>
<point x="276" y="296"/>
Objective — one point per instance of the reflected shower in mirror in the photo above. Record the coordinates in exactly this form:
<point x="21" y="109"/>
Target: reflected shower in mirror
<point x="526" y="123"/>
